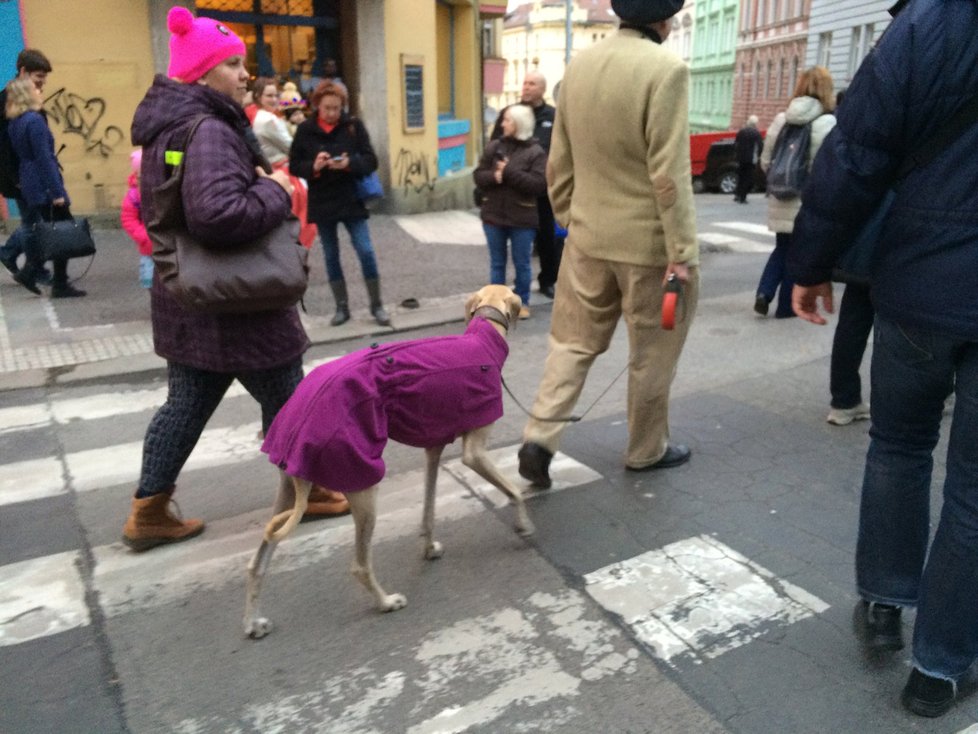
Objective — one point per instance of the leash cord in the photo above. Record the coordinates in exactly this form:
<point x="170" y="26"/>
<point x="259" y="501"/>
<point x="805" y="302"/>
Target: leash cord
<point x="570" y="419"/>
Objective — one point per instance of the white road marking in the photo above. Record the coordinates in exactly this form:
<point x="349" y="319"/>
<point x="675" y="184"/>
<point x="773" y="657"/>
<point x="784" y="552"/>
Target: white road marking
<point x="129" y="582"/>
<point x="698" y="598"/>
<point x="507" y="653"/>
<point x="759" y="229"/>
<point x="40" y="597"/>
<point x="449" y="227"/>
<point x="733" y="242"/>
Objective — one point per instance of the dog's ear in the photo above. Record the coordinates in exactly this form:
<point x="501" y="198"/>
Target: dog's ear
<point x="513" y="304"/>
<point x="471" y="304"/>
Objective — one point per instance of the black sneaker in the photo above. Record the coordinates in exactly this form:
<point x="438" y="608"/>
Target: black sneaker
<point x="761" y="305"/>
<point x="535" y="464"/>
<point x="10" y="263"/>
<point x="879" y="625"/>
<point x="27" y="281"/>
<point x="927" y="696"/>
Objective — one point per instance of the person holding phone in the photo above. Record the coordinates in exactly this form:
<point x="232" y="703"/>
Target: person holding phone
<point x="331" y="151"/>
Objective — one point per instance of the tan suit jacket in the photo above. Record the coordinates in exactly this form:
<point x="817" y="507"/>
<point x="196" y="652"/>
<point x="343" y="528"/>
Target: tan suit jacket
<point x="619" y="171"/>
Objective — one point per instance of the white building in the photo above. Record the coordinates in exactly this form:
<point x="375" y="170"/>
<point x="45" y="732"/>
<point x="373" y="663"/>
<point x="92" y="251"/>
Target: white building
<point x="842" y="32"/>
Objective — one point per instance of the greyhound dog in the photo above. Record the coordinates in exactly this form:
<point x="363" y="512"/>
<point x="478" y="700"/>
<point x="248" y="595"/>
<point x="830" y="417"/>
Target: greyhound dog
<point x="423" y="393"/>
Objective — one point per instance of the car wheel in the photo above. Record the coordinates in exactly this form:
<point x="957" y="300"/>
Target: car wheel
<point x="728" y="182"/>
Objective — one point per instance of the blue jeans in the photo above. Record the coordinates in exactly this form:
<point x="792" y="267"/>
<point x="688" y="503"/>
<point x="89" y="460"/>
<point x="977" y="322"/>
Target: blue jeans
<point x="776" y="274"/>
<point x="522" y="239"/>
<point x="913" y="372"/>
<point x="359" y="237"/>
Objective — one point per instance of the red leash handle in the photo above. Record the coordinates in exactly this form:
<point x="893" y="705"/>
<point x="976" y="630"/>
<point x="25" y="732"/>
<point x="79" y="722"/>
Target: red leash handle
<point x="670" y="300"/>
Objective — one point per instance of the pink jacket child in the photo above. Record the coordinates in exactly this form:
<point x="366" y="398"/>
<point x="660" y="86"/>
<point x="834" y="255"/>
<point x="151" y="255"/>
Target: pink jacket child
<point x="132" y="221"/>
<point x="423" y="392"/>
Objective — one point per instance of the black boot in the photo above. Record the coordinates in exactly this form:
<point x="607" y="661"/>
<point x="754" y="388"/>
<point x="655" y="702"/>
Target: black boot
<point x="342" y="314"/>
<point x="376" y="307"/>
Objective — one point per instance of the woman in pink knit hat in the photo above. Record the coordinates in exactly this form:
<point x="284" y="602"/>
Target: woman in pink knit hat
<point x="230" y="197"/>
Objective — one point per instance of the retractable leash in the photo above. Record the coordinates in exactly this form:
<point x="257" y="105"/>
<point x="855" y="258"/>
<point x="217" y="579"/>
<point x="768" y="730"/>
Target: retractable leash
<point x="671" y="299"/>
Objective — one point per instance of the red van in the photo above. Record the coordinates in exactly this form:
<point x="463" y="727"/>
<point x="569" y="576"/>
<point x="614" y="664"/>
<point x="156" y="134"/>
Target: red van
<point x="713" y="163"/>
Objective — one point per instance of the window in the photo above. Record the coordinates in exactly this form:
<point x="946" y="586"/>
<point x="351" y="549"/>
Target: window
<point x="769" y="77"/>
<point x="779" y="88"/>
<point x="855" y="47"/>
<point x="793" y="79"/>
<point x="824" y="49"/>
<point x="757" y="80"/>
<point x="774" y="11"/>
<point x="745" y="23"/>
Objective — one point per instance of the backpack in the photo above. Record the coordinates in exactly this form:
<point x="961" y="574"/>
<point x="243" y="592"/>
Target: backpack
<point x="9" y="163"/>
<point x="789" y="163"/>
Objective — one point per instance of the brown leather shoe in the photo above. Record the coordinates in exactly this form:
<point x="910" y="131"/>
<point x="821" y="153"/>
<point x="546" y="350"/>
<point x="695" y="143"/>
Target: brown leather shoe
<point x="326" y="503"/>
<point x="151" y="524"/>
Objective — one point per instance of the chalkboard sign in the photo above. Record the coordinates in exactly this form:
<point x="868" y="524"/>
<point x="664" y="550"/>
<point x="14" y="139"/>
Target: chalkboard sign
<point x="412" y="84"/>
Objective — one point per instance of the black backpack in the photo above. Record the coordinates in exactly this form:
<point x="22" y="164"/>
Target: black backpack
<point x="9" y="164"/>
<point x="789" y="163"/>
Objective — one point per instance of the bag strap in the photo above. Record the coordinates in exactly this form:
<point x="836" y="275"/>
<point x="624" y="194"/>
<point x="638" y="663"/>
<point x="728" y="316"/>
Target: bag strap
<point x="950" y="131"/>
<point x="175" y="157"/>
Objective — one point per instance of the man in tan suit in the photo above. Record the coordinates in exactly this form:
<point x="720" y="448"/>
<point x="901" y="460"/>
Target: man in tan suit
<point x="619" y="180"/>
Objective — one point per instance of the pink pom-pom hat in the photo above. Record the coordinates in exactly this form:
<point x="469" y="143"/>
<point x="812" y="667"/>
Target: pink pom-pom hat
<point x="197" y="45"/>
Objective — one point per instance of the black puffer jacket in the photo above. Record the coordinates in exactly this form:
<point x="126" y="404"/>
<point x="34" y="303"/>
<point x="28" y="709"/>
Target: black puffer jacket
<point x="333" y="194"/>
<point x="512" y="203"/>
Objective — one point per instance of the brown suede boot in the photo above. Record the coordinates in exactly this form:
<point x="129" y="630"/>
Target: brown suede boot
<point x="151" y="524"/>
<point x="326" y="503"/>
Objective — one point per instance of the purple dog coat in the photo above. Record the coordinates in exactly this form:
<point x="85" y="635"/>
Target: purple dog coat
<point x="424" y="392"/>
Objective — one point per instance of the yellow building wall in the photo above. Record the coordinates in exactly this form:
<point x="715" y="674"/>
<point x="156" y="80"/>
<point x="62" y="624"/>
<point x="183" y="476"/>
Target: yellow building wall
<point x="410" y="30"/>
<point x="103" y="65"/>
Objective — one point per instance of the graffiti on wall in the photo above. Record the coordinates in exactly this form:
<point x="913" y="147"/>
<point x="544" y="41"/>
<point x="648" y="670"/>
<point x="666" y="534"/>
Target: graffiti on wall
<point x="411" y="172"/>
<point x="76" y="115"/>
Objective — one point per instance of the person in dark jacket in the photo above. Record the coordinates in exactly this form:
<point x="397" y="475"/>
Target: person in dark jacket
<point x="549" y="246"/>
<point x="747" y="149"/>
<point x="42" y="190"/>
<point x="34" y="66"/>
<point x="924" y="282"/>
<point x="512" y="176"/>
<point x="227" y="203"/>
<point x="331" y="151"/>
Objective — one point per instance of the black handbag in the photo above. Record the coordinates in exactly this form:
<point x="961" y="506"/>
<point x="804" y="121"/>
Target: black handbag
<point x="63" y="238"/>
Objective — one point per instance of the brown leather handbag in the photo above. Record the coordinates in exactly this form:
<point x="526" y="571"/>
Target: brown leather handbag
<point x="268" y="273"/>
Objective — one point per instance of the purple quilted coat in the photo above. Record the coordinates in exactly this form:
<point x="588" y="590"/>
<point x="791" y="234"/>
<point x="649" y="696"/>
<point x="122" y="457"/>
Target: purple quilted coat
<point x="226" y="205"/>
<point x="424" y="392"/>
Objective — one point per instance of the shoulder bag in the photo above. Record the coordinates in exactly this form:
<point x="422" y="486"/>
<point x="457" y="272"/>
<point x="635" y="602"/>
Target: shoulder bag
<point x="63" y="238"/>
<point x="856" y="263"/>
<point x="268" y="273"/>
<point x="369" y="187"/>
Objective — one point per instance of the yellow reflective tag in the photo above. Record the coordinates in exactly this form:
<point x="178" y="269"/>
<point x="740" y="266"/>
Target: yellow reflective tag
<point x="173" y="157"/>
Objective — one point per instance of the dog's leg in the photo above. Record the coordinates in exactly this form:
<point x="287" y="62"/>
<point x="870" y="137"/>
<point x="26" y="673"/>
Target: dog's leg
<point x="476" y="457"/>
<point x="432" y="548"/>
<point x="291" y="493"/>
<point x="363" y="505"/>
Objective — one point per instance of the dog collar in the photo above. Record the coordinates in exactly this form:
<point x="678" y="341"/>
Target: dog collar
<point x="494" y="314"/>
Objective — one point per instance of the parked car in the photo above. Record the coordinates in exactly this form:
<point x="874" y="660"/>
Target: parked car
<point x="714" y="165"/>
<point x="720" y="173"/>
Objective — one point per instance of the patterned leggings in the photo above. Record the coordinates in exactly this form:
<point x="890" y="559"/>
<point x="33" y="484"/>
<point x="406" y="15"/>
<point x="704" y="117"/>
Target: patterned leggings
<point x="193" y="396"/>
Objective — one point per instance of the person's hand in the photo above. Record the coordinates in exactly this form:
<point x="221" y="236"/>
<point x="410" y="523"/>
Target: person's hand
<point x="339" y="163"/>
<point x="60" y="201"/>
<point x="322" y="159"/>
<point x="279" y="177"/>
<point x="500" y="167"/>
<point x="681" y="271"/>
<point x="804" y="301"/>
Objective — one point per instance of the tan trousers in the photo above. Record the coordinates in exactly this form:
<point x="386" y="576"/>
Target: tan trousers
<point x="591" y="296"/>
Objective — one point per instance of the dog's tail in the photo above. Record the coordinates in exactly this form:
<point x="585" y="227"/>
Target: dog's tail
<point x="284" y="523"/>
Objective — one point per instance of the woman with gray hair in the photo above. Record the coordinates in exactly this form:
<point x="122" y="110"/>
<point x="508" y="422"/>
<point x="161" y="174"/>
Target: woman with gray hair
<point x="511" y="175"/>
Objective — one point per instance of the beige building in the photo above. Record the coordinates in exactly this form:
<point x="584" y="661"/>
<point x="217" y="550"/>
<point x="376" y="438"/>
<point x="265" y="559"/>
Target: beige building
<point x="534" y="37"/>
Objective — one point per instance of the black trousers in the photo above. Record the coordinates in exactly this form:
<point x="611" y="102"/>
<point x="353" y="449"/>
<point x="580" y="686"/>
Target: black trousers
<point x="549" y="246"/>
<point x="856" y="315"/>
<point x="745" y="181"/>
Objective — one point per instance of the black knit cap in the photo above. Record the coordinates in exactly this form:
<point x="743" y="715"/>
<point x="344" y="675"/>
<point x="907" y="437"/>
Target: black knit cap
<point x="643" y="12"/>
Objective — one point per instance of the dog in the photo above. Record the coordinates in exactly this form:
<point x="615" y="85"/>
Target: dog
<point x="423" y="393"/>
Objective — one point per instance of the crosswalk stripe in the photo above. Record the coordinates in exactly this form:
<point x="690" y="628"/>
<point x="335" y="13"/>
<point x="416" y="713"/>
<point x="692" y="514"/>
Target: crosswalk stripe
<point x="751" y="227"/>
<point x="733" y="242"/>
<point x="698" y="598"/>
<point x="129" y="582"/>
<point x="103" y="405"/>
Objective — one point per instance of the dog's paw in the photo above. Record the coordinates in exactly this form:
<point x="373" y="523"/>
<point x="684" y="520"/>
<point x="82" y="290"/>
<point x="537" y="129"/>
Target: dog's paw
<point x="433" y="551"/>
<point x="258" y="627"/>
<point x="393" y="602"/>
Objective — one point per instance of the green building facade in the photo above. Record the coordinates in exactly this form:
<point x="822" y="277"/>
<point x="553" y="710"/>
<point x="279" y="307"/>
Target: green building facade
<point x="712" y="65"/>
